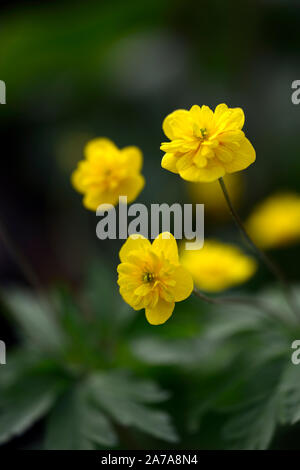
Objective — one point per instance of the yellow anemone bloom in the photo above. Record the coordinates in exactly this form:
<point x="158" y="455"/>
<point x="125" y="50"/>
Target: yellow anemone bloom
<point x="276" y="221"/>
<point x="108" y="172"/>
<point x="218" y="266"/>
<point x="151" y="277"/>
<point x="205" y="145"/>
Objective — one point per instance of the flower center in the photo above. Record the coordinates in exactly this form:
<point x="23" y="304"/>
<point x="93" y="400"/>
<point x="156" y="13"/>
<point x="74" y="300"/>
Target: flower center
<point x="200" y="133"/>
<point x="203" y="131"/>
<point x="148" y="277"/>
<point x="110" y="178"/>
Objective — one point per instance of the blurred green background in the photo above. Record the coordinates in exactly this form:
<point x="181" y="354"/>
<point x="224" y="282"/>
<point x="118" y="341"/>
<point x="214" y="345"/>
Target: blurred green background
<point x="78" y="70"/>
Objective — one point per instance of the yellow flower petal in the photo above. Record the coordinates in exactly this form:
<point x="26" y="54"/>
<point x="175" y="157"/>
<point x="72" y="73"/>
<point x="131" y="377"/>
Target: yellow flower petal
<point x="204" y="153"/>
<point x="133" y="157"/>
<point x="133" y="243"/>
<point x="160" y="313"/>
<point x="184" y="162"/>
<point x="77" y="180"/>
<point x="195" y="112"/>
<point x="94" y="197"/>
<point x="131" y="187"/>
<point x="229" y="117"/>
<point x="220" y="110"/>
<point x="167" y="246"/>
<point x="218" y="266"/>
<point x="131" y="299"/>
<point x="177" y="124"/>
<point x="98" y="145"/>
<point x="206" y="175"/>
<point x="206" y="115"/>
<point x="242" y="157"/>
<point x="276" y="221"/>
<point x="169" y="162"/>
<point x="184" y="284"/>
<point x="224" y="154"/>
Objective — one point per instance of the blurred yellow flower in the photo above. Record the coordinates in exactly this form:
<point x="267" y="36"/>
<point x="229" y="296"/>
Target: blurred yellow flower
<point x="107" y="173"/>
<point x="212" y="197"/>
<point x="205" y="145"/>
<point x="151" y="277"/>
<point x="276" y="221"/>
<point x="218" y="266"/>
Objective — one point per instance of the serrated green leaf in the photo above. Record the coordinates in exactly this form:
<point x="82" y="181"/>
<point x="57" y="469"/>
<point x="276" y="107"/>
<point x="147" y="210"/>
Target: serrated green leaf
<point x="123" y="397"/>
<point x="290" y="390"/>
<point x="75" y="424"/>
<point x="226" y="321"/>
<point x="38" y="324"/>
<point x="24" y="403"/>
<point x="253" y="427"/>
<point x="102" y="294"/>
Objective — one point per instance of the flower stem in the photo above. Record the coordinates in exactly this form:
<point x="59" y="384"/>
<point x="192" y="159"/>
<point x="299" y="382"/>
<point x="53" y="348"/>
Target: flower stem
<point x="273" y="268"/>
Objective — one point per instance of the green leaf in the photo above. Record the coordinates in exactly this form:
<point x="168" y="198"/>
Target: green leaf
<point x="19" y="361"/>
<point x="75" y="424"/>
<point x="37" y="322"/>
<point x="161" y="351"/>
<point x="101" y="293"/>
<point x="255" y="421"/>
<point x="24" y="403"/>
<point x="123" y="398"/>
<point x="253" y="427"/>
<point x="290" y="389"/>
<point x="226" y="321"/>
<point x="223" y="324"/>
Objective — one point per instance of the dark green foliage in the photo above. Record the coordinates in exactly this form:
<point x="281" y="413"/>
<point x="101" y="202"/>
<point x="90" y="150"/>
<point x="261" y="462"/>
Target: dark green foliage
<point x="71" y="365"/>
<point x="91" y="368"/>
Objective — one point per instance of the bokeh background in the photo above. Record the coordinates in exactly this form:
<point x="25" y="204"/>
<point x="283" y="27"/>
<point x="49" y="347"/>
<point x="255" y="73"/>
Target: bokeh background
<point x="78" y="70"/>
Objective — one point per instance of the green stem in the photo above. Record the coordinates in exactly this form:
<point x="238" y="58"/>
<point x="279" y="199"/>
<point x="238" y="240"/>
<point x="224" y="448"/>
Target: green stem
<point x="273" y="268"/>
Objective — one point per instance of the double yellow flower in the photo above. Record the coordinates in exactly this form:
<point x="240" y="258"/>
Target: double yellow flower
<point x="204" y="145"/>
<point x="151" y="276"/>
<point x="107" y="173"/>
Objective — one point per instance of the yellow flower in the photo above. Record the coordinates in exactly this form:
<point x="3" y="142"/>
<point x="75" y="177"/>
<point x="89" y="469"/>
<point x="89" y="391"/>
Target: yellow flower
<point x="205" y="144"/>
<point x="276" y="221"/>
<point x="151" y="277"/>
<point x="107" y="173"/>
<point x="212" y="197"/>
<point x="218" y="266"/>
